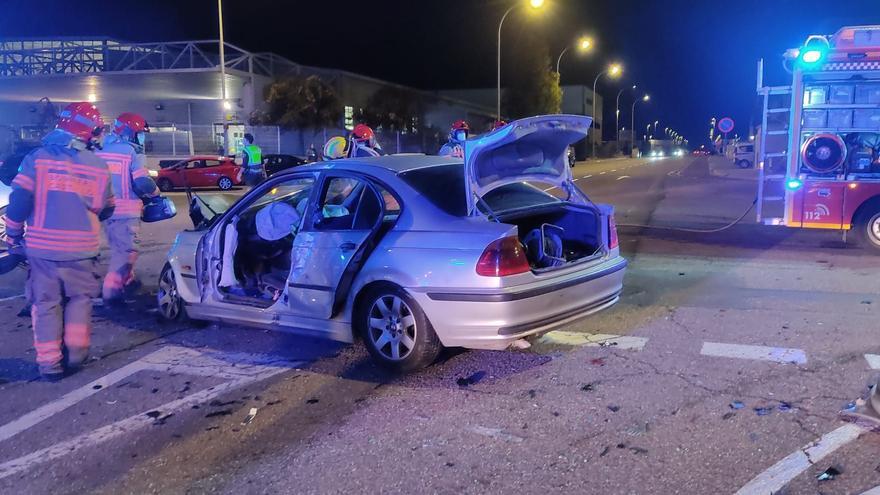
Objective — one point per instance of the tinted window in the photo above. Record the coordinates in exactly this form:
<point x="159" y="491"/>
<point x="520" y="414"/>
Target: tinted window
<point x="347" y="203"/>
<point x="443" y="186"/>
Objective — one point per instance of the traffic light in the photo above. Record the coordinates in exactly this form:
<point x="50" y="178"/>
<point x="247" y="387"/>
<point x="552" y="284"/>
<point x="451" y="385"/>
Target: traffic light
<point x="813" y="52"/>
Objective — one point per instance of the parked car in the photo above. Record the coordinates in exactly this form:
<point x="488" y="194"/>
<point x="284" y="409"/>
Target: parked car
<point x="273" y="164"/>
<point x="744" y="155"/>
<point x="412" y="253"/>
<point x="200" y="171"/>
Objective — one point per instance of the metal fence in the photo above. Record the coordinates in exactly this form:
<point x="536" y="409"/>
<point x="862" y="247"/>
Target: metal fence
<point x="171" y="140"/>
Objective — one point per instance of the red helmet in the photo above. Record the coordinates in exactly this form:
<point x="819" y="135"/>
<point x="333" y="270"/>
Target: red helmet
<point x="82" y="120"/>
<point x="461" y="125"/>
<point x="130" y="123"/>
<point x="498" y="124"/>
<point x="363" y="132"/>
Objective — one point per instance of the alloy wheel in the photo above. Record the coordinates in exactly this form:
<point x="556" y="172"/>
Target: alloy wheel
<point x="392" y="327"/>
<point x="168" y="296"/>
<point x="225" y="183"/>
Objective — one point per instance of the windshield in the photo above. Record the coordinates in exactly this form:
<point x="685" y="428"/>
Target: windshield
<point x="443" y="186"/>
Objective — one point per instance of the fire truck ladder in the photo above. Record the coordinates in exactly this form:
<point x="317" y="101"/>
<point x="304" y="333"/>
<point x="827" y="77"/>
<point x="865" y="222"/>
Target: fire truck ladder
<point x="772" y="151"/>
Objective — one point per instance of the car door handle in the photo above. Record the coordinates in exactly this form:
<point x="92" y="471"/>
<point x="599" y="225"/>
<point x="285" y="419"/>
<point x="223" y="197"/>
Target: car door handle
<point x="347" y="246"/>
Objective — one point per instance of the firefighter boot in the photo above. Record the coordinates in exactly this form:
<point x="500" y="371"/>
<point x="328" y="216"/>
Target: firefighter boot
<point x="44" y="291"/>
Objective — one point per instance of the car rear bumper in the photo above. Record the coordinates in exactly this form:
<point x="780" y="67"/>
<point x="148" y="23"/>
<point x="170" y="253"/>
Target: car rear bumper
<point x="495" y="319"/>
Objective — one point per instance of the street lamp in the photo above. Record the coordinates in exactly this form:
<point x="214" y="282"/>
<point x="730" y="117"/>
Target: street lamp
<point x="534" y="4"/>
<point x="617" y="113"/>
<point x="614" y="70"/>
<point x="223" y="80"/>
<point x="655" y="126"/>
<point x="648" y="131"/>
<point x="646" y="99"/>
<point x="584" y="45"/>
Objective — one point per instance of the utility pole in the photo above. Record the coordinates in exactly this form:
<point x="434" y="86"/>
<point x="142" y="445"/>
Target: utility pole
<point x="224" y="105"/>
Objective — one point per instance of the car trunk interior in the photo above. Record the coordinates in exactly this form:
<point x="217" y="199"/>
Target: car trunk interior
<point x="557" y="235"/>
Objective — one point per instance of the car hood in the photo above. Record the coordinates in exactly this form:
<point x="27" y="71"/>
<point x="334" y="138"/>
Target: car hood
<point x="533" y="149"/>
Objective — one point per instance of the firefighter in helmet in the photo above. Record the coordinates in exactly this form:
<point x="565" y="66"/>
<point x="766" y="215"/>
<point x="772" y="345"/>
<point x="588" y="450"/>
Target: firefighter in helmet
<point x="363" y="142"/>
<point x="61" y="194"/>
<point x="123" y="151"/>
<point x="458" y="134"/>
<point x="334" y="148"/>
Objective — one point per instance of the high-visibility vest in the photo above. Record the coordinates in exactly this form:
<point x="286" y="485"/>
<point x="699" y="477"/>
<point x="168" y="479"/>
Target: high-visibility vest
<point x="255" y="155"/>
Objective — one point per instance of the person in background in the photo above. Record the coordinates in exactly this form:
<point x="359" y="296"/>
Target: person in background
<point x="62" y="192"/>
<point x="312" y="154"/>
<point x="363" y="142"/>
<point x="123" y="151"/>
<point x="458" y="134"/>
<point x="252" y="161"/>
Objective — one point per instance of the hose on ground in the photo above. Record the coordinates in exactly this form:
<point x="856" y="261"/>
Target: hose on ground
<point x="697" y="231"/>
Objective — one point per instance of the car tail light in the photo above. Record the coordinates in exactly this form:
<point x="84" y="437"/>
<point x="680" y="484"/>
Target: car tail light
<point x="613" y="241"/>
<point x="503" y="257"/>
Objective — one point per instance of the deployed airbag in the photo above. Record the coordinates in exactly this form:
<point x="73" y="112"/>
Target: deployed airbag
<point x="277" y="220"/>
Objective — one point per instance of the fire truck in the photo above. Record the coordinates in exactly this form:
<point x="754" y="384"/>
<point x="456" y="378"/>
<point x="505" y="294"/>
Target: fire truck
<point x="818" y="150"/>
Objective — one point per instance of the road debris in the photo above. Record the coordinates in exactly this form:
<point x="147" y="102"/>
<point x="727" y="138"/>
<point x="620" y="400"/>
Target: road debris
<point x="222" y="412"/>
<point x="763" y="411"/>
<point x="471" y="380"/>
<point x="785" y="407"/>
<point x="728" y="415"/>
<point x="850" y="407"/>
<point x="613" y="408"/>
<point x="737" y="405"/>
<point x="496" y="433"/>
<point x="588" y="387"/>
<point x="251" y="415"/>
<point x="312" y="401"/>
<point x="829" y="474"/>
<point x="598" y="361"/>
<point x="604" y="451"/>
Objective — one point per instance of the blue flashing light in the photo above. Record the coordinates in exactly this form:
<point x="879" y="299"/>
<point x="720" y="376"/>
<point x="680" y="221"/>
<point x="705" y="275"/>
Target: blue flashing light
<point x="793" y="184"/>
<point x="811" y="56"/>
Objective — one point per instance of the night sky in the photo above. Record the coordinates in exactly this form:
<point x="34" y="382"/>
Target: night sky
<point x="696" y="58"/>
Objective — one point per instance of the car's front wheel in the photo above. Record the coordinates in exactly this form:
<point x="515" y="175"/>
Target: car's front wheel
<point x="395" y="330"/>
<point x="225" y="183"/>
<point x="867" y="227"/>
<point x="168" y="297"/>
<point x="165" y="185"/>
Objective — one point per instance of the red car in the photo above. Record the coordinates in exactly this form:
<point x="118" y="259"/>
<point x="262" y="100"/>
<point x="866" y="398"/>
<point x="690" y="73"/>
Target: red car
<point x="200" y="171"/>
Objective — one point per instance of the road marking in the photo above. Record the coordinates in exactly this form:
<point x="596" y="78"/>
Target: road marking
<point x="602" y="173"/>
<point x="623" y="177"/>
<point x="587" y="176"/>
<point x="781" y="473"/>
<point x="775" y="354"/>
<point x="561" y="337"/>
<point x="11" y="298"/>
<point x="614" y="170"/>
<point x="873" y="491"/>
<point x="873" y="361"/>
<point x="239" y="368"/>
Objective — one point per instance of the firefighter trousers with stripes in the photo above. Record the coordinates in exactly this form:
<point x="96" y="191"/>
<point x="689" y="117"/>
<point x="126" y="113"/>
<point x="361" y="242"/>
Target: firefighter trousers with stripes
<point x="122" y="237"/>
<point x="61" y="293"/>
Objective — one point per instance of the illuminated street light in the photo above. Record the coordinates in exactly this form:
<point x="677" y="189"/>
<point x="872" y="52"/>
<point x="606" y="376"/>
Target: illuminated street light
<point x="614" y="70"/>
<point x="584" y="45"/>
<point x="535" y="5"/>
<point x="645" y="99"/>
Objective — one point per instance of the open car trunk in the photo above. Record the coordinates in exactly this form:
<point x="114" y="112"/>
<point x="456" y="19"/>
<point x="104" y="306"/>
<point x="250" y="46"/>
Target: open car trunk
<point x="557" y="235"/>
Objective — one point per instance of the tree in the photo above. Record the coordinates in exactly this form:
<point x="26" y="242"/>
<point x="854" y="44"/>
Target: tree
<point x="393" y="109"/>
<point x="533" y="88"/>
<point x="302" y="103"/>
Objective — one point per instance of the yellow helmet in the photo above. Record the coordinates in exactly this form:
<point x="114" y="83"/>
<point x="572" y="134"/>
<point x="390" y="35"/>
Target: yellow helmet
<point x="334" y="149"/>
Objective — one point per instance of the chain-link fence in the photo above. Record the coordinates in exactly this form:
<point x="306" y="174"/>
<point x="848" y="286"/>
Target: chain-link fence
<point x="171" y="140"/>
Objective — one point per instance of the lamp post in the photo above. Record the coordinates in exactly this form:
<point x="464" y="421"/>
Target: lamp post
<point x="617" y="113"/>
<point x="613" y="70"/>
<point x="645" y="98"/>
<point x="535" y="4"/>
<point x="655" y="126"/>
<point x="225" y="107"/>
<point x="584" y="45"/>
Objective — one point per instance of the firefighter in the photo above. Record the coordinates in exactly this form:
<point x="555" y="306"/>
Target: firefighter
<point x="61" y="193"/>
<point x="363" y="142"/>
<point x="252" y="161"/>
<point x="123" y="151"/>
<point x="334" y="148"/>
<point x="458" y="134"/>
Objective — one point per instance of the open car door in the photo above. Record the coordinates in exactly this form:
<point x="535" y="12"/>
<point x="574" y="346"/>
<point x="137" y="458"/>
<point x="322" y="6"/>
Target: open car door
<point x="339" y="234"/>
<point x="533" y="149"/>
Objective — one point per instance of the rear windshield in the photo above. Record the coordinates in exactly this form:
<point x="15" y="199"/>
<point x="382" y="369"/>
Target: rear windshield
<point x="443" y="186"/>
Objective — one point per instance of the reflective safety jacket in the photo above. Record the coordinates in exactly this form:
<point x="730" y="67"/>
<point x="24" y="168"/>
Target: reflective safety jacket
<point x="254" y="156"/>
<point x="59" y="193"/>
<point x="131" y="180"/>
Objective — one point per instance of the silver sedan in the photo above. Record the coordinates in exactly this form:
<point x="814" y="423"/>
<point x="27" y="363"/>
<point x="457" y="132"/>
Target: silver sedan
<point x="411" y="253"/>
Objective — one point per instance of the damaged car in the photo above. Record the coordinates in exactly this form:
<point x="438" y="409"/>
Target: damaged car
<point x="410" y="253"/>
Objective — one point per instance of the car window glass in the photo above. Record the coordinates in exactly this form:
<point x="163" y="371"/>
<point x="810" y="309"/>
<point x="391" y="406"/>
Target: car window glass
<point x="442" y="186"/>
<point x="212" y="163"/>
<point x="294" y="192"/>
<point x="196" y="164"/>
<point x="347" y="204"/>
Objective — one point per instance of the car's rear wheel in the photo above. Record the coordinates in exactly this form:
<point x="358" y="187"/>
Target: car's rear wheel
<point x="168" y="297"/>
<point x="164" y="185"/>
<point x="867" y="227"/>
<point x="225" y="183"/>
<point x="395" y="330"/>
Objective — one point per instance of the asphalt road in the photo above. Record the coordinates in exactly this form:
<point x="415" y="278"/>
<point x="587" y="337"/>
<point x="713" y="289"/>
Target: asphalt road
<point x="723" y="368"/>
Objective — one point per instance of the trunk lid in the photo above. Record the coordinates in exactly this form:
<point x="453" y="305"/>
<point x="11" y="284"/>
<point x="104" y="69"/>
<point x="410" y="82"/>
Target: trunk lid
<point x="533" y="149"/>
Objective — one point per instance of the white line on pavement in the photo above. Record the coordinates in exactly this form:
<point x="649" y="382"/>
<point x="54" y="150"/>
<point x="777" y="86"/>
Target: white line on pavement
<point x="775" y="354"/>
<point x="561" y="337"/>
<point x="775" y="478"/>
<point x="240" y="368"/>
<point x="623" y="177"/>
<point x="872" y="491"/>
<point x="11" y="298"/>
<point x="602" y="173"/>
<point x="873" y="361"/>
<point x="587" y="176"/>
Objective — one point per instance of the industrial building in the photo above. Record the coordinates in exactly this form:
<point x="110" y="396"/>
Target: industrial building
<point x="177" y="87"/>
